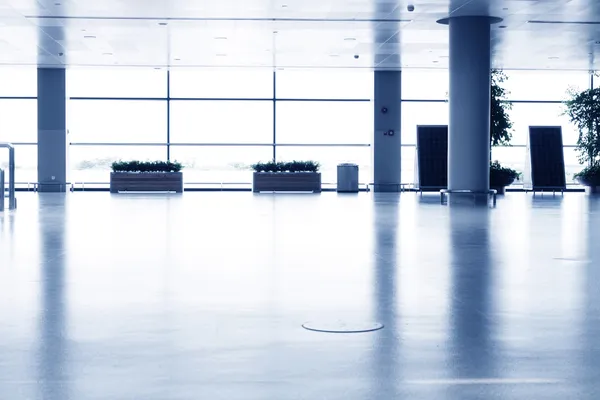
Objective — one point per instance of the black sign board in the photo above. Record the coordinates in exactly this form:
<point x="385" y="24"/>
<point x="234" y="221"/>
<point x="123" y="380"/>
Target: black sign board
<point x="547" y="158"/>
<point x="432" y="157"/>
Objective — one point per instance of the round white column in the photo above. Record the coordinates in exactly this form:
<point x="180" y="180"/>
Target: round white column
<point x="469" y="98"/>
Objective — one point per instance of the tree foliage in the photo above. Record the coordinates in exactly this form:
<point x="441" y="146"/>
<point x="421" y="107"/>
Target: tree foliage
<point x="583" y="110"/>
<point x="500" y="124"/>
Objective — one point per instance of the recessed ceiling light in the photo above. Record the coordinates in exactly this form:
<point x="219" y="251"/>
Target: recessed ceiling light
<point x="89" y="37"/>
<point x="275" y="31"/>
<point x="284" y="6"/>
<point x="156" y="67"/>
<point x="107" y="54"/>
<point x="178" y="59"/>
<point x="435" y="61"/>
<point x="162" y="23"/>
<point x="553" y="58"/>
<point x="350" y="39"/>
<point x="220" y="38"/>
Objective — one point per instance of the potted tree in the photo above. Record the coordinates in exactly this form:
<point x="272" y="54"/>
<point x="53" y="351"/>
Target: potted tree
<point x="293" y="176"/>
<point x="146" y="176"/>
<point x="583" y="110"/>
<point x="500" y="132"/>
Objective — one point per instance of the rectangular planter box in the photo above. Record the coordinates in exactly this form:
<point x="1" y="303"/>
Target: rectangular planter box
<point x="146" y="182"/>
<point x="286" y="182"/>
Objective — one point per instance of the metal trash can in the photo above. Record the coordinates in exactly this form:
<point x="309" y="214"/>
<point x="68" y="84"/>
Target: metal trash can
<point x="347" y="178"/>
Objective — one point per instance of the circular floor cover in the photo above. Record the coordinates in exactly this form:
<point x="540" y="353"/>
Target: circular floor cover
<point x="342" y="327"/>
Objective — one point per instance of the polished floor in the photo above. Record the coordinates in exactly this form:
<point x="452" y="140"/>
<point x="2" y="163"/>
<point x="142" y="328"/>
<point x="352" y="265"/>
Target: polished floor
<point x="203" y="296"/>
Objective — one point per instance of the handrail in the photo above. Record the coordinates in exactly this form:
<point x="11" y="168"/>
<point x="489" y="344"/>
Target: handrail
<point x="12" y="201"/>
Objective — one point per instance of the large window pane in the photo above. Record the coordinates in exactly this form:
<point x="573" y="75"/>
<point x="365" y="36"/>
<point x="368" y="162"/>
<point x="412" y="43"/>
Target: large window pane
<point x="117" y="82"/>
<point x="524" y="115"/>
<point x="219" y="83"/>
<point x="408" y="161"/>
<point x="221" y="121"/>
<point x="414" y="114"/>
<point x="18" y="82"/>
<point x="512" y="157"/>
<point x="18" y="121"/>
<point x="220" y="164"/>
<point x="329" y="157"/>
<point x="324" y="84"/>
<point x="425" y="84"/>
<point x="544" y="85"/>
<point x="572" y="165"/>
<point x="117" y="121"/>
<point x="25" y="164"/>
<point x="324" y="122"/>
<point x="92" y="163"/>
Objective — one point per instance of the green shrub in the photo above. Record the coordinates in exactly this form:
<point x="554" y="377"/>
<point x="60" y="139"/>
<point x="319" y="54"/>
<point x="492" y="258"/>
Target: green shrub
<point x="590" y="176"/>
<point x="146" y="166"/>
<point x="501" y="176"/>
<point x="290" y="166"/>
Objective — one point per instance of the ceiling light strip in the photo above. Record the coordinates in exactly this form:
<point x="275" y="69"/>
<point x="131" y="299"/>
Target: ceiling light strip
<point x="185" y="19"/>
<point x="542" y="22"/>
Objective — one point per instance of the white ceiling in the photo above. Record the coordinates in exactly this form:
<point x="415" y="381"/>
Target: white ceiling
<point x="291" y="33"/>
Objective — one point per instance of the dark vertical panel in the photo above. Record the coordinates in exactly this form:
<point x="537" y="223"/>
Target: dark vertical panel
<point x="432" y="157"/>
<point x="547" y="158"/>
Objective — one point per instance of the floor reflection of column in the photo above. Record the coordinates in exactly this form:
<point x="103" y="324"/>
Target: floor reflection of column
<point x="386" y="345"/>
<point x="471" y="348"/>
<point x="53" y="371"/>
<point x="590" y="357"/>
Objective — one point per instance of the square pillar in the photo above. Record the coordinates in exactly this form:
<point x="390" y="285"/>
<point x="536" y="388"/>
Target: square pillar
<point x="52" y="130"/>
<point x="387" y="139"/>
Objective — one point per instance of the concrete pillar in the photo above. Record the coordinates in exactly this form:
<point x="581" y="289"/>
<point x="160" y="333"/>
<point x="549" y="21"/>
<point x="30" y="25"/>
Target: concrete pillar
<point x="52" y="130"/>
<point x="387" y="140"/>
<point x="469" y="100"/>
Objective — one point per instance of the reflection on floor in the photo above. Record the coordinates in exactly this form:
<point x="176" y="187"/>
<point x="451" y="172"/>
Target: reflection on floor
<point x="202" y="296"/>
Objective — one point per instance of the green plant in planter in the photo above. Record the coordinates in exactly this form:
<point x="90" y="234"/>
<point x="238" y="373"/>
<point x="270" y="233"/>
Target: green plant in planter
<point x="290" y="166"/>
<point x="583" y="110"/>
<point x="589" y="176"/>
<point x="146" y="166"/>
<point x="500" y="130"/>
<point x="501" y="176"/>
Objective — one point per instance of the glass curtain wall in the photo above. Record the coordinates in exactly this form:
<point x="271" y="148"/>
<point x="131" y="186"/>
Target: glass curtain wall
<point x="114" y="114"/>
<point x="18" y="122"/>
<point x="536" y="97"/>
<point x="217" y="122"/>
